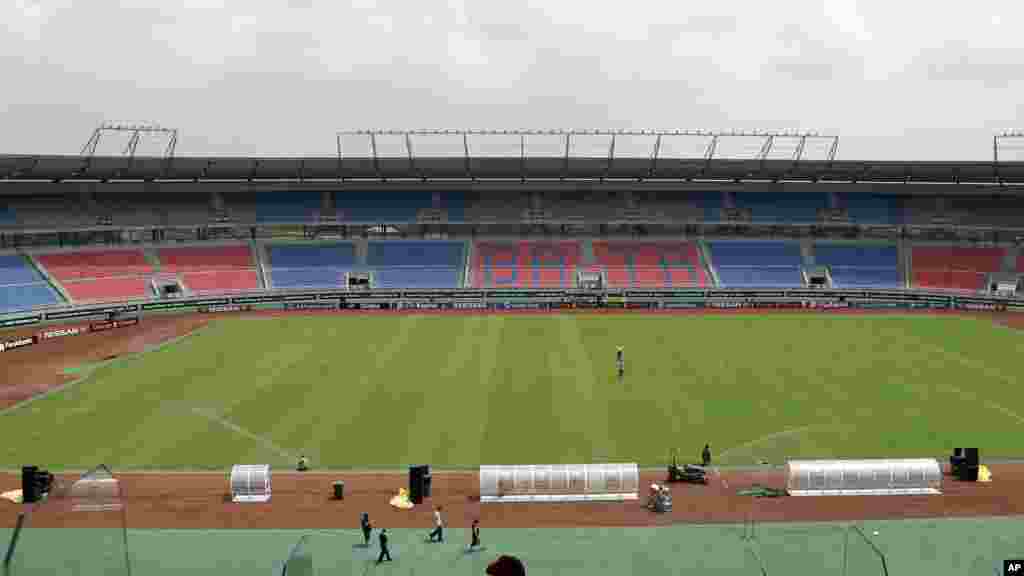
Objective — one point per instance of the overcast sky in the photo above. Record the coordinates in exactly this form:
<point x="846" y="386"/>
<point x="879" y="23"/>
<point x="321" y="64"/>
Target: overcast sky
<point x="896" y="79"/>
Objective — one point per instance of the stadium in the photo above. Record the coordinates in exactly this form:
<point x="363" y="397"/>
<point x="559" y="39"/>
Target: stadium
<point x="455" y="299"/>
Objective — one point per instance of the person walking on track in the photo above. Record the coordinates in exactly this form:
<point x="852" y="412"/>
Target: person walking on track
<point x="475" y="542"/>
<point x="384" y="552"/>
<point x="438" y="534"/>
<point x="364" y="523"/>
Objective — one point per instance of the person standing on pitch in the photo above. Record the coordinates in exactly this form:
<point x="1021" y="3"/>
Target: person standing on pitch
<point x="364" y="523"/>
<point x="384" y="552"/>
<point x="438" y="532"/>
<point x="620" y="360"/>
<point x="705" y="456"/>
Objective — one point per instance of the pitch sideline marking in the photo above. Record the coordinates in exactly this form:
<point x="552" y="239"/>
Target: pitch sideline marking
<point x="213" y="417"/>
<point x="785" y="432"/>
<point x="754" y="442"/>
<point x="96" y="367"/>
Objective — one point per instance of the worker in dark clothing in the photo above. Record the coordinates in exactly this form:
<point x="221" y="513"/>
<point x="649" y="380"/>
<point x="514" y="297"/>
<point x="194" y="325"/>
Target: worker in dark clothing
<point x="475" y="543"/>
<point x="303" y="464"/>
<point x="705" y="456"/>
<point x="364" y="523"/>
<point x="384" y="552"/>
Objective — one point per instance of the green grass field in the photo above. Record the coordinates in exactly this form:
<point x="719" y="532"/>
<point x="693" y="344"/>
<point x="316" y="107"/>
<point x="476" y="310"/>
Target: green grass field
<point x="379" y="392"/>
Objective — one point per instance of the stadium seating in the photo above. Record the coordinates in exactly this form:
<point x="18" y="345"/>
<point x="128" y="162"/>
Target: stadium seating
<point x="783" y="207"/>
<point x="15" y="269"/>
<point x="287" y="207"/>
<point x="7" y="216"/>
<point x="650" y="264"/>
<point x="954" y="268"/>
<point x="525" y="264"/>
<point x="401" y="206"/>
<point x="310" y="265"/>
<point x="100" y="275"/>
<point x="751" y="264"/>
<point x="871" y="208"/>
<point x="860" y="266"/>
<point x="108" y="289"/>
<point x="21" y="286"/>
<point x="91" y="264"/>
<point x="416" y="264"/>
<point x="209" y="269"/>
<point x="21" y="297"/>
<point x="500" y="206"/>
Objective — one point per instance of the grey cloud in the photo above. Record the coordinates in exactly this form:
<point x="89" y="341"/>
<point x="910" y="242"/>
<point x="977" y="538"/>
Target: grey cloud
<point x="278" y="77"/>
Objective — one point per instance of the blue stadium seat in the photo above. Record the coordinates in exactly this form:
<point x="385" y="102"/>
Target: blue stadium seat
<point x="310" y="265"/>
<point x="754" y="253"/>
<point x="443" y="253"/>
<point x="7" y="216"/>
<point x="751" y="263"/>
<point x="711" y="202"/>
<point x="782" y="207"/>
<point x="24" y="297"/>
<point x="872" y="208"/>
<point x="861" y="256"/>
<point x="417" y="263"/>
<point x="417" y="278"/>
<point x="287" y="206"/>
<point x="750" y="277"/>
<point x="860" y="266"/>
<point x="15" y="269"/>
<point x="866" y="278"/>
<point x="400" y="206"/>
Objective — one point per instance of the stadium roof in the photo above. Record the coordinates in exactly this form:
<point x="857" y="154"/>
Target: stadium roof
<point x="57" y="169"/>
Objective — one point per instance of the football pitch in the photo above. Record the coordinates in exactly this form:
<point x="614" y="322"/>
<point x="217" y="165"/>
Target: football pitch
<point x="459" y="391"/>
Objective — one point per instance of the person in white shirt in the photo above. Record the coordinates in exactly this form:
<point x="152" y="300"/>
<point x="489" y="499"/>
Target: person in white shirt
<point x="438" y="533"/>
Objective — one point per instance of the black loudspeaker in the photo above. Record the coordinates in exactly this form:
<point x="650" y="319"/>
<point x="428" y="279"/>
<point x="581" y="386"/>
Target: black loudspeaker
<point x="29" y="486"/>
<point x="965" y="462"/>
<point x="419" y="488"/>
<point x="971" y="474"/>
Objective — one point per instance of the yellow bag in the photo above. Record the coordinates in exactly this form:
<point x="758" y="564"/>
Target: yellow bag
<point x="401" y="501"/>
<point x="983" y="474"/>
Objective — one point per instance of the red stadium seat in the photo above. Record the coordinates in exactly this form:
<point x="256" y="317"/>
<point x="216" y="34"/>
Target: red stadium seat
<point x="525" y="264"/>
<point x="211" y="270"/>
<point x="954" y="267"/>
<point x="108" y="289"/>
<point x="89" y="264"/>
<point x="656" y="264"/>
<point x="221" y="281"/>
<point x="201" y="257"/>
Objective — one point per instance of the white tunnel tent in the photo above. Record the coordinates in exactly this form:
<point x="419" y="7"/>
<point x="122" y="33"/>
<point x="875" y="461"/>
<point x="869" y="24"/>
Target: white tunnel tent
<point x="559" y="483"/>
<point x="863" y="477"/>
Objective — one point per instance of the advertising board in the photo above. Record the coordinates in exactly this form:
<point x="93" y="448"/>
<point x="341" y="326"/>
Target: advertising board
<point x="225" y="308"/>
<point x="90" y="312"/>
<point x="320" y="305"/>
<point x="182" y="304"/>
<point x="61" y="332"/>
<point x="112" y="324"/>
<point x="23" y="321"/>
